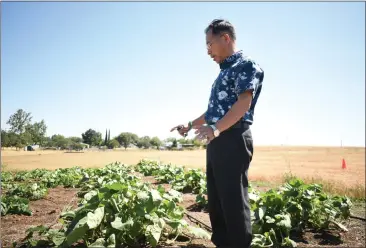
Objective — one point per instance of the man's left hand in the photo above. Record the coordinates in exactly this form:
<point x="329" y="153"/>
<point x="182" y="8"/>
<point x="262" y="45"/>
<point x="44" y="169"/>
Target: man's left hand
<point x="205" y="132"/>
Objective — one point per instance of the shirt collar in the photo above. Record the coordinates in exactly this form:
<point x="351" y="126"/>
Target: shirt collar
<point x="231" y="60"/>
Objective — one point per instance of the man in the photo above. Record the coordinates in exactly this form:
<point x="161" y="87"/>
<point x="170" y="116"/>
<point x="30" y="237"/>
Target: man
<point x="226" y="127"/>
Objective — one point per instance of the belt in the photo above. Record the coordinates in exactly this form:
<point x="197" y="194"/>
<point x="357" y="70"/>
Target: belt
<point x="241" y="124"/>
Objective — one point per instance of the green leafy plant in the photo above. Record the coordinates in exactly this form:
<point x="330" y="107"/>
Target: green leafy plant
<point x="127" y="212"/>
<point x="14" y="205"/>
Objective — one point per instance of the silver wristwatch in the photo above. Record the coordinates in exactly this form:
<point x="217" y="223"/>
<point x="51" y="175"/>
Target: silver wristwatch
<point x="215" y="131"/>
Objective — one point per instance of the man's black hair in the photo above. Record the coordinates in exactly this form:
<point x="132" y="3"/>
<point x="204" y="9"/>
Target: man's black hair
<point x="221" y="26"/>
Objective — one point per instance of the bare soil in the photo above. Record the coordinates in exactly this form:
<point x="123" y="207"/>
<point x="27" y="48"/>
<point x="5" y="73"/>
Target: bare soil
<point x="44" y="212"/>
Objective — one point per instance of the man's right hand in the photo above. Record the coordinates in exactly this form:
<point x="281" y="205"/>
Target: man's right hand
<point x="182" y="130"/>
<point x="197" y="123"/>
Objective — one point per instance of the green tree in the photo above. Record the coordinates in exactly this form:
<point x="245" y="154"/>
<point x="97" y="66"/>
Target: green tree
<point x="112" y="144"/>
<point x="4" y="139"/>
<point x="184" y="141"/>
<point x="76" y="139"/>
<point x="106" y="138"/>
<point x="37" y="132"/>
<point x="19" y="120"/>
<point x="14" y="139"/>
<point x="76" y="146"/>
<point x="74" y="143"/>
<point x="48" y="142"/>
<point x="197" y="143"/>
<point x="126" y="139"/>
<point x="92" y="137"/>
<point x="144" y="142"/>
<point x="25" y="139"/>
<point x="170" y="139"/>
<point x="156" y="142"/>
<point x="58" y="140"/>
<point x="19" y="143"/>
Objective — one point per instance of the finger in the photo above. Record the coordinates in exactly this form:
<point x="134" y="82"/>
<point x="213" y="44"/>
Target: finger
<point x="199" y="130"/>
<point x="196" y="126"/>
<point x="179" y="127"/>
<point x="174" y="128"/>
<point x="202" y="136"/>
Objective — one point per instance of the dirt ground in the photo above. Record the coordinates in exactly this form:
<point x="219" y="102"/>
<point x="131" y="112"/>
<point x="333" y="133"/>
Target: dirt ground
<point x="269" y="163"/>
<point x="44" y="212"/>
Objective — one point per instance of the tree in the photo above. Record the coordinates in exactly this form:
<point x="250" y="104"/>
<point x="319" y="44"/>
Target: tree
<point x="144" y="142"/>
<point x="170" y="139"/>
<point x="197" y="143"/>
<point x="184" y="141"/>
<point x="37" y="132"/>
<point x="126" y="139"/>
<point x="112" y="144"/>
<point x="92" y="137"/>
<point x="19" y="141"/>
<point x="76" y="139"/>
<point x="5" y="139"/>
<point x="75" y="143"/>
<point x="14" y="139"/>
<point x="76" y="146"/>
<point x="106" y="138"/>
<point x="25" y="139"/>
<point x="156" y="142"/>
<point x="19" y="120"/>
<point x="60" y="141"/>
<point x="48" y="142"/>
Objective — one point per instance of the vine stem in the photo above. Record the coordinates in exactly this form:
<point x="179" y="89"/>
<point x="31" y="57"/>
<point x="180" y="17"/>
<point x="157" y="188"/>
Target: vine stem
<point x="198" y="221"/>
<point x="357" y="217"/>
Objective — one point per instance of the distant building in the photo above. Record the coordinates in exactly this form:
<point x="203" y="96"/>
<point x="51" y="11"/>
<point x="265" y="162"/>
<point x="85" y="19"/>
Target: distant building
<point x="169" y="145"/>
<point x="31" y="148"/>
<point x="85" y="145"/>
<point x="188" y="145"/>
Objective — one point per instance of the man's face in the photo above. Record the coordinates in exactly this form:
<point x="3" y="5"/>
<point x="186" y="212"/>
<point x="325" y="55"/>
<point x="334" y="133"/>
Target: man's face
<point x="217" y="46"/>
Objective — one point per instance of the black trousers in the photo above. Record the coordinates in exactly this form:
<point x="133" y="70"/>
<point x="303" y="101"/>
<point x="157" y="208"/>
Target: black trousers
<point x="228" y="160"/>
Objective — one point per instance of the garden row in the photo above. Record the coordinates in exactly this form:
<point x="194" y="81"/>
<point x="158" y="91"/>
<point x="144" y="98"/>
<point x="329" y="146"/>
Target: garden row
<point x="276" y="214"/>
<point x="116" y="207"/>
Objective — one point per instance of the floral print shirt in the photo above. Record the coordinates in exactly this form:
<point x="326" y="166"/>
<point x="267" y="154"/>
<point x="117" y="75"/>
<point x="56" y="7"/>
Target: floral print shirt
<point x="238" y="74"/>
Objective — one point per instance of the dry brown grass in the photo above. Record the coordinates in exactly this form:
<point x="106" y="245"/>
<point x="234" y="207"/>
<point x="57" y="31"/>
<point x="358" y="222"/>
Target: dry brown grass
<point x="355" y="191"/>
<point x="269" y="163"/>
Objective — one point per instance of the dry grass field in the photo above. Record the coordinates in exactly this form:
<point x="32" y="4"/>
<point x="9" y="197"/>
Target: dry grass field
<point x="269" y="163"/>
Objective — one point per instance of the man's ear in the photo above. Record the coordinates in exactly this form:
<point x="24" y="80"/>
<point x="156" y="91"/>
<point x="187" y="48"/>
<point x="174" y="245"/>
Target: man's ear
<point x="227" y="38"/>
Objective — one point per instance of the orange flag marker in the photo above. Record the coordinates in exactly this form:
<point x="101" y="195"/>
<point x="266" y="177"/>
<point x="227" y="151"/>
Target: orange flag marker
<point x="344" y="165"/>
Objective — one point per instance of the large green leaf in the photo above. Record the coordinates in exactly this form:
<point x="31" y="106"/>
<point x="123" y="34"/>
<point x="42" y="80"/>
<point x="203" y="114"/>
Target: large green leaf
<point x="118" y="224"/>
<point x="153" y="233"/>
<point x="198" y="232"/>
<point x="94" y="219"/>
<point x="78" y="231"/>
<point x="261" y="241"/>
<point x="99" y="243"/>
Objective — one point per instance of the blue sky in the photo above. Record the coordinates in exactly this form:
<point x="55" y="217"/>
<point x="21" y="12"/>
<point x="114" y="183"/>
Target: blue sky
<point x="143" y="67"/>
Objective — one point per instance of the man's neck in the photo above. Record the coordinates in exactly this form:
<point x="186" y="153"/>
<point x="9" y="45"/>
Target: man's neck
<point x="231" y="51"/>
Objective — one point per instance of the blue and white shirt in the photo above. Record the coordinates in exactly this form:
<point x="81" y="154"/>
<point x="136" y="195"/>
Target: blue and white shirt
<point x="238" y="74"/>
